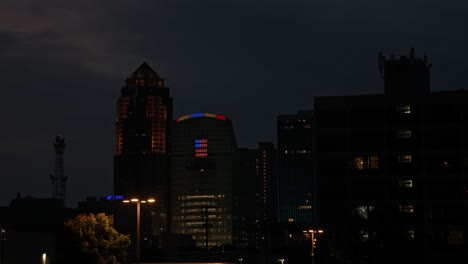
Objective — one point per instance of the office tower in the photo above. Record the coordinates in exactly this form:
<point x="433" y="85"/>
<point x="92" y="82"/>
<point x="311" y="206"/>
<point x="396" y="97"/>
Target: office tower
<point x="245" y="198"/>
<point x="391" y="169"/>
<point x="201" y="184"/>
<point x="255" y="196"/>
<point x="295" y="169"/>
<point x="266" y="194"/>
<point x="141" y="161"/>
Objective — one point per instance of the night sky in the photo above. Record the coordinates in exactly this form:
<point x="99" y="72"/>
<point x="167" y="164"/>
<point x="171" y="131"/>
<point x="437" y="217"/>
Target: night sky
<point x="62" y="64"/>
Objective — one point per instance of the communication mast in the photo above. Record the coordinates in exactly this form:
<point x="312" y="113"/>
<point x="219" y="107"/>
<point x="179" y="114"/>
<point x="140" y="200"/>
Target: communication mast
<point x="58" y="179"/>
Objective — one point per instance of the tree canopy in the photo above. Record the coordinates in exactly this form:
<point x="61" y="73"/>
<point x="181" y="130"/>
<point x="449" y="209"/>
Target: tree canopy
<point x="95" y="239"/>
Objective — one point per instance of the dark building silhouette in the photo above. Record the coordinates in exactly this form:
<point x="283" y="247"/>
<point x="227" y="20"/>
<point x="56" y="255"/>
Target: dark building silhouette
<point x="255" y="196"/>
<point x="244" y="195"/>
<point x="32" y="228"/>
<point x="141" y="161"/>
<point x="266" y="194"/>
<point x="295" y="169"/>
<point x="201" y="185"/>
<point x="392" y="170"/>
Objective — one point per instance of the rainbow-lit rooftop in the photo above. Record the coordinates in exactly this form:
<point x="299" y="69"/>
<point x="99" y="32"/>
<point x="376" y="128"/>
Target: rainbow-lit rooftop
<point x="195" y="115"/>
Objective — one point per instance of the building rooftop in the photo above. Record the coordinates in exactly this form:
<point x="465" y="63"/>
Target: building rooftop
<point x="144" y="71"/>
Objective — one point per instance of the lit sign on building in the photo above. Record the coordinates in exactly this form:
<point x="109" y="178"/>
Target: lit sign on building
<point x="114" y="197"/>
<point x="201" y="148"/>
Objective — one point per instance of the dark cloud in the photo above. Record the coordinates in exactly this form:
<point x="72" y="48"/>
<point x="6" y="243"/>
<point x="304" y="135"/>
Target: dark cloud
<point x="62" y="65"/>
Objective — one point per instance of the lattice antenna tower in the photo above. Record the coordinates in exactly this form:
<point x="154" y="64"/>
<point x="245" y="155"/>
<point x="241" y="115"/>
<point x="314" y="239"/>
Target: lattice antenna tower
<point x="58" y="179"/>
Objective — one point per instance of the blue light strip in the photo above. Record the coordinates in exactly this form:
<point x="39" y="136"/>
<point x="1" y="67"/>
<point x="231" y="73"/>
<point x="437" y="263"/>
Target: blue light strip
<point x="197" y="115"/>
<point x="114" y="197"/>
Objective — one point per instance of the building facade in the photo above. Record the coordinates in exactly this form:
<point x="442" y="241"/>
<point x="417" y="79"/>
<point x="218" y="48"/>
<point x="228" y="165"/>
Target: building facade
<point x="143" y="122"/>
<point x="244" y="195"/>
<point x="266" y="195"/>
<point x="295" y="168"/>
<point x="255" y="196"/>
<point x="201" y="185"/>
<point x="392" y="170"/>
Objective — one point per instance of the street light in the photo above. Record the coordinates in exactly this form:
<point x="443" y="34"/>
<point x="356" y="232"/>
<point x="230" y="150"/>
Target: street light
<point x="138" y="202"/>
<point x="44" y="258"/>
<point x="313" y="240"/>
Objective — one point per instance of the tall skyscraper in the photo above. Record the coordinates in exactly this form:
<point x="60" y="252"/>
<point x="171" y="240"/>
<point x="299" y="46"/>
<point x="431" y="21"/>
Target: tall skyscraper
<point x="295" y="168"/>
<point x="266" y="193"/>
<point x="255" y="194"/>
<point x="244" y="194"/>
<point x="141" y="161"/>
<point x="201" y="185"/>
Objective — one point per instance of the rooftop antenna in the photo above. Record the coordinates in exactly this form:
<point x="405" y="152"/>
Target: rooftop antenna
<point x="58" y="179"/>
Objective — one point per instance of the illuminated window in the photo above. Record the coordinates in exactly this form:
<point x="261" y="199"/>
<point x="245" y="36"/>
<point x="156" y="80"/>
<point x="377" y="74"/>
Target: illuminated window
<point x="290" y="220"/>
<point x="407" y="158"/>
<point x="406" y="208"/>
<point x="405" y="183"/>
<point x="364" y="235"/>
<point x="404" y="134"/>
<point x="404" y="109"/>
<point x="363" y="211"/>
<point x="358" y="163"/>
<point x="373" y="162"/>
<point x="455" y="238"/>
<point x="366" y="163"/>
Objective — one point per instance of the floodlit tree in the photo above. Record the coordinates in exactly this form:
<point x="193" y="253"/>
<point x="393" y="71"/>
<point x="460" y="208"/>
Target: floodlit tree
<point x="95" y="240"/>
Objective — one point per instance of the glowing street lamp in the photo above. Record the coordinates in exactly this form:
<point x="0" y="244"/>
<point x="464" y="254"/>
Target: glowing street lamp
<point x="138" y="202"/>
<point x="313" y="240"/>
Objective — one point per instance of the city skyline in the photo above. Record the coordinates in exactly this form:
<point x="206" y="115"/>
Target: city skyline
<point x="63" y="67"/>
